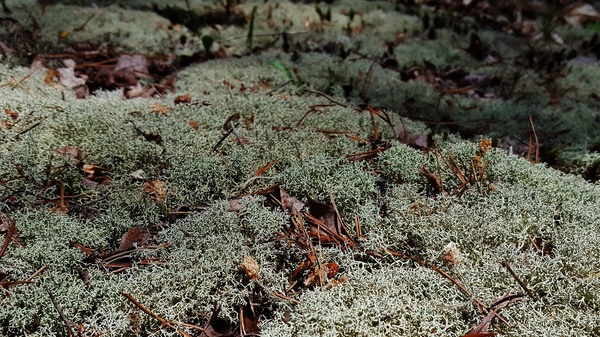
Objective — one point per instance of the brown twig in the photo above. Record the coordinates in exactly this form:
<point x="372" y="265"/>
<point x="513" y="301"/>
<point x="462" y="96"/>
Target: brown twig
<point x="163" y="322"/>
<point x="537" y="144"/>
<point x="327" y="97"/>
<point x="519" y="281"/>
<point x="60" y="313"/>
<point x="480" y="305"/>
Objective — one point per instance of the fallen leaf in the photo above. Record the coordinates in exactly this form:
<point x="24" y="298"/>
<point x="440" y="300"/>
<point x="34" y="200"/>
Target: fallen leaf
<point x="82" y="91"/>
<point x="289" y="203"/>
<point x="333" y="269"/>
<point x="249" y="321"/>
<point x="67" y="75"/>
<point x="250" y="267"/>
<point x="140" y="91"/>
<point x="581" y="13"/>
<point x="325" y="213"/>
<point x="185" y="98"/>
<point x="131" y="66"/>
<point x="51" y="76"/>
<point x="157" y="190"/>
<point x="71" y="153"/>
<point x="160" y="109"/>
<point x="134" y="237"/>
<point x="217" y="326"/>
<point x="417" y="140"/>
<point x="12" y="114"/>
<point x="93" y="170"/>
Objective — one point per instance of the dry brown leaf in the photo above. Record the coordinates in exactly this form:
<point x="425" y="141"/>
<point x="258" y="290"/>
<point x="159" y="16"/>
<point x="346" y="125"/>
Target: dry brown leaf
<point x="417" y="140"/>
<point x="333" y="269"/>
<point x="140" y="91"/>
<point x="92" y="170"/>
<point x="236" y="205"/>
<point x="249" y="321"/>
<point x="160" y="109"/>
<point x="71" y="153"/>
<point x="157" y="190"/>
<point x="218" y="327"/>
<point x="52" y="76"/>
<point x="134" y="237"/>
<point x="12" y="114"/>
<point x="131" y="65"/>
<point x="250" y="267"/>
<point x="291" y="204"/>
<point x="185" y="98"/>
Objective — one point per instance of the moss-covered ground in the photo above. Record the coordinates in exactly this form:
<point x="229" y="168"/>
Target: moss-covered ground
<point x="363" y="174"/>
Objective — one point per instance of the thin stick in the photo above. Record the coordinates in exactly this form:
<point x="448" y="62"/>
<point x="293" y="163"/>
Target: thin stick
<point x="222" y="140"/>
<point x="260" y="35"/>
<point x="480" y="305"/>
<point x="279" y="87"/>
<point x="537" y="144"/>
<point x="37" y="272"/>
<point x="235" y="133"/>
<point x="327" y="97"/>
<point x="31" y="127"/>
<point x="60" y="313"/>
<point x="164" y="322"/>
<point x="519" y="281"/>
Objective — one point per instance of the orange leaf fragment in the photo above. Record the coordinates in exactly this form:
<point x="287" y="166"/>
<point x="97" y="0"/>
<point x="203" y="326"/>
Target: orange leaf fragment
<point x="185" y="98"/>
<point x="157" y="190"/>
<point x="92" y="170"/>
<point x="263" y="169"/>
<point x="160" y="109"/>
<point x="250" y="267"/>
<point x="194" y="125"/>
<point x="12" y="114"/>
<point x="333" y="269"/>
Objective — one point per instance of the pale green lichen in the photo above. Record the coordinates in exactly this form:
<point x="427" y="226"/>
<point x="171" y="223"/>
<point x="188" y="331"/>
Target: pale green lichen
<point x="543" y="223"/>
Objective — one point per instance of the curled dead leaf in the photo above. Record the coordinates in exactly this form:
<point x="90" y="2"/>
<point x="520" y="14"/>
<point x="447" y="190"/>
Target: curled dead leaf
<point x="92" y="170"/>
<point x="250" y="267"/>
<point x="185" y="98"/>
<point x="71" y="153"/>
<point x="134" y="237"/>
<point x="333" y="269"/>
<point x="157" y="190"/>
<point x="291" y="204"/>
<point x="11" y="113"/>
<point x="160" y="109"/>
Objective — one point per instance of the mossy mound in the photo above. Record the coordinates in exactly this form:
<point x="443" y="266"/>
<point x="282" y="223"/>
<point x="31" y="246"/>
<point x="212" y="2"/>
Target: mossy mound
<point x="434" y="234"/>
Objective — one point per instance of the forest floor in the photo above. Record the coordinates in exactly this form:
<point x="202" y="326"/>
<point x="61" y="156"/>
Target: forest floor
<point x="354" y="168"/>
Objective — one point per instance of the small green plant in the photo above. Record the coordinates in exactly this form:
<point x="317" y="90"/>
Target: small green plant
<point x="281" y="67"/>
<point x="207" y="43"/>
